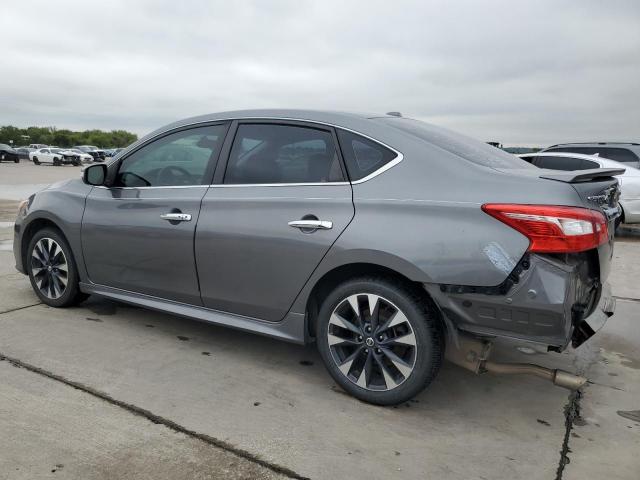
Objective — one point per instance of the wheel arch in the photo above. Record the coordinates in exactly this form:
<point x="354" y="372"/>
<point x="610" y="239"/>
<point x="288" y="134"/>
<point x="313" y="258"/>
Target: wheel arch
<point x="331" y="278"/>
<point x="33" y="227"/>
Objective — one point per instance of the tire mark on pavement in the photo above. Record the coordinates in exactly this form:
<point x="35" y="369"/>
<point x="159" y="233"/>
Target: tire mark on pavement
<point x="157" y="419"/>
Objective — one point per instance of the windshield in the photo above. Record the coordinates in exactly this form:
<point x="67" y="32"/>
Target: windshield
<point x="465" y="147"/>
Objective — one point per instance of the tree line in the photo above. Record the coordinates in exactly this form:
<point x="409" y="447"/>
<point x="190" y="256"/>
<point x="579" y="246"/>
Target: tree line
<point x="64" y="137"/>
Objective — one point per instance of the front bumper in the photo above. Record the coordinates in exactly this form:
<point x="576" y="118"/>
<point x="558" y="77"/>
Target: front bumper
<point x="545" y="302"/>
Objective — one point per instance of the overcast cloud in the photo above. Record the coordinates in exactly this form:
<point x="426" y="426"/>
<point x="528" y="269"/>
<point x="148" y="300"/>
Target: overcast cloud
<point x="523" y="73"/>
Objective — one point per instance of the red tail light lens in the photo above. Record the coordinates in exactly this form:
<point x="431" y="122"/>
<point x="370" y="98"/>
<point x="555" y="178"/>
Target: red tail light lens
<point x="553" y="229"/>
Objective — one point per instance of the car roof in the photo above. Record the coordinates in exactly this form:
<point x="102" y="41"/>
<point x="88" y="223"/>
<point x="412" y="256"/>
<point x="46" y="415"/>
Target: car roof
<point x="349" y="120"/>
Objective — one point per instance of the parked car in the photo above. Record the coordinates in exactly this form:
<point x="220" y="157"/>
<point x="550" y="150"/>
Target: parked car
<point x="629" y="181"/>
<point x="8" y="154"/>
<point x="38" y="146"/>
<point x="23" y="152"/>
<point x="113" y="152"/>
<point x="55" y="156"/>
<point x="627" y="153"/>
<point x="84" y="157"/>
<point x="383" y="239"/>
<point x="97" y="154"/>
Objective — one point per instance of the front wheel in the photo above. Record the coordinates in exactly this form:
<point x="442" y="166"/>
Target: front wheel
<point x="56" y="162"/>
<point x="36" y="161"/>
<point x="381" y="342"/>
<point x="52" y="269"/>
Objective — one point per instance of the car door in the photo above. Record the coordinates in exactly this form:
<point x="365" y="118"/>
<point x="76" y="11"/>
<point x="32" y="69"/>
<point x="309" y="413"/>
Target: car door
<point x="44" y="156"/>
<point x="138" y="234"/>
<point x="270" y="217"/>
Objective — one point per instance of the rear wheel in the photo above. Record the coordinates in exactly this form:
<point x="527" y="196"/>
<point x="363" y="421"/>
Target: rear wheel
<point x="36" y="161"/>
<point x="52" y="269"/>
<point x="380" y="342"/>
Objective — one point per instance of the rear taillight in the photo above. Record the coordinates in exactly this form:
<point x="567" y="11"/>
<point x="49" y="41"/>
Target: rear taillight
<point x="553" y="229"/>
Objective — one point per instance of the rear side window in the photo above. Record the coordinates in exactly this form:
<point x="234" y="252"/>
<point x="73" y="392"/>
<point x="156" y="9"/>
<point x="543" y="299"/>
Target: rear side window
<point x="361" y="155"/>
<point x="558" y="163"/>
<point x="588" y="164"/>
<point x="267" y="153"/>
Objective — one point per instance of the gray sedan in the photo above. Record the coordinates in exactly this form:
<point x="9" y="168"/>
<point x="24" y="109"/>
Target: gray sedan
<point x="383" y="239"/>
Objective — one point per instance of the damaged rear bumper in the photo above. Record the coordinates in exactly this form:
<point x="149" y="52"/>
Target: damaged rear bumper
<point x="546" y="300"/>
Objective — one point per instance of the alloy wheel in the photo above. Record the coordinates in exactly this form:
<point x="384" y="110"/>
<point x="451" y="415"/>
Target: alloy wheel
<point x="372" y="342"/>
<point x="49" y="268"/>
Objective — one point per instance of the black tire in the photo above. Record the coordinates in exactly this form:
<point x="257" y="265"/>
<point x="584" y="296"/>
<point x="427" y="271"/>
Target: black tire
<point x="17" y="160"/>
<point x="36" y="161"/>
<point x="76" y="163"/>
<point x="56" y="162"/>
<point x="71" y="294"/>
<point x="422" y="320"/>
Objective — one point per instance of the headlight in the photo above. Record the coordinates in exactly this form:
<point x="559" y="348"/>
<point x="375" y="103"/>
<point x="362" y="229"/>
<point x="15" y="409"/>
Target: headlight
<point x="23" y="206"/>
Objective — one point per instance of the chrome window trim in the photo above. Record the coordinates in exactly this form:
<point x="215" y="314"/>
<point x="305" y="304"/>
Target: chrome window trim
<point x="310" y="184"/>
<point x="384" y="168"/>
<point x="152" y="188"/>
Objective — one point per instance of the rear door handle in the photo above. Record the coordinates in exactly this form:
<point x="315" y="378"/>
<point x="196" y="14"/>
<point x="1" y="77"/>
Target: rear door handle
<point x="312" y="224"/>
<point x="176" y="217"/>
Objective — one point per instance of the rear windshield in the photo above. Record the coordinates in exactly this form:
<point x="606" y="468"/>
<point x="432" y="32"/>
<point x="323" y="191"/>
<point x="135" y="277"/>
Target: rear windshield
<point x="465" y="147"/>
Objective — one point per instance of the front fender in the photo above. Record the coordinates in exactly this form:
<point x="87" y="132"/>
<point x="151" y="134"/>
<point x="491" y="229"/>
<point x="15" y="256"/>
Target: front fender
<point x="61" y="205"/>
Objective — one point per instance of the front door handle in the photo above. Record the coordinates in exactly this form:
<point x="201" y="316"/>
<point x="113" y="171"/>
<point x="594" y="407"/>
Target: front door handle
<point x="176" y="217"/>
<point x="311" y="224"/>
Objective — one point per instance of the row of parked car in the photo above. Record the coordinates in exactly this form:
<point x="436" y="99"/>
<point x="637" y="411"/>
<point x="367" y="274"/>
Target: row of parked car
<point x="588" y="156"/>
<point x="39" y="153"/>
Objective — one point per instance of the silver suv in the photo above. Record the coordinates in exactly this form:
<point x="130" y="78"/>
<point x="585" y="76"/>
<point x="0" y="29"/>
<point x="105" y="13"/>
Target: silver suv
<point x="383" y="239"/>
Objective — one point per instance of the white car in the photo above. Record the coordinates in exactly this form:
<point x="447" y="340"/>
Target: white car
<point x="629" y="180"/>
<point x="55" y="156"/>
<point x="84" y="157"/>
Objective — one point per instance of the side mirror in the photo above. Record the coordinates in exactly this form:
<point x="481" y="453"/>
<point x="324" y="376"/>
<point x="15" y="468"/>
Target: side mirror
<point x="95" y="175"/>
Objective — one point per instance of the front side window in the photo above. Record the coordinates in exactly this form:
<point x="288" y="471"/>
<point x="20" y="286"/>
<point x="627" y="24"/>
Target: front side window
<point x="361" y="155"/>
<point x="267" y="154"/>
<point x="178" y="159"/>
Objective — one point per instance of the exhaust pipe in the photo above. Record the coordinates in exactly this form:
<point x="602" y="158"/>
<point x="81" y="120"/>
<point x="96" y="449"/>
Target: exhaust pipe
<point x="558" y="377"/>
<point x="472" y="354"/>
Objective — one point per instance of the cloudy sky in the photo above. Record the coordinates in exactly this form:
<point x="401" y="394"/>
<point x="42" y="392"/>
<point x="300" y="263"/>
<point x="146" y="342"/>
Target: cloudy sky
<point x="523" y="73"/>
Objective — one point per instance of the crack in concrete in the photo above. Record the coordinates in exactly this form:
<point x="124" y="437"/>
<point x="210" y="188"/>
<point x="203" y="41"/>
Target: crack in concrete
<point x="20" y="308"/>
<point x="157" y="419"/>
<point x="571" y="413"/>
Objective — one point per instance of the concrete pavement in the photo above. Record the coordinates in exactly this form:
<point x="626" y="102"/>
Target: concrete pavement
<point x="227" y="403"/>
